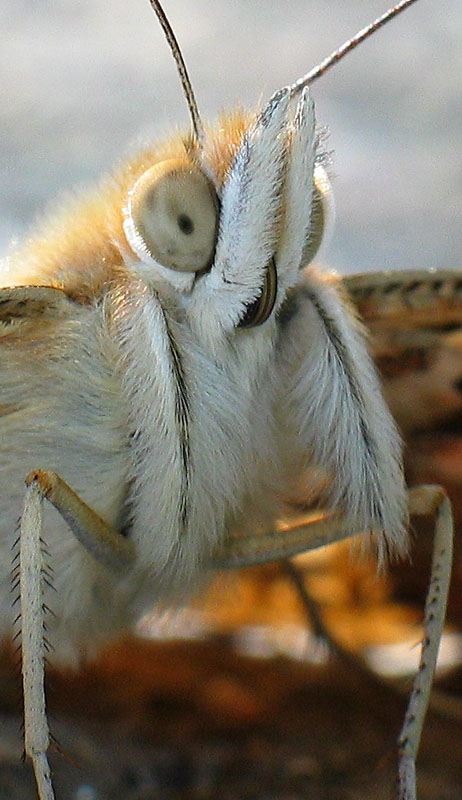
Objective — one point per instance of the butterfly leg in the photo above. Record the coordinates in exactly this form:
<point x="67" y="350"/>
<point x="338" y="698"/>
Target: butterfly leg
<point x="427" y="500"/>
<point x="325" y="529"/>
<point x="98" y="538"/>
<point x="319" y="529"/>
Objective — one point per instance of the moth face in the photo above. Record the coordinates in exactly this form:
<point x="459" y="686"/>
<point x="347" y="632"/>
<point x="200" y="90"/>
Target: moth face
<point x="248" y="228"/>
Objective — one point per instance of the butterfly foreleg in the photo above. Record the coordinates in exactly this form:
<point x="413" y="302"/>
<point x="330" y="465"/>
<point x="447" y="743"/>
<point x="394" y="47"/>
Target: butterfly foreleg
<point x="427" y="500"/>
<point x="105" y="544"/>
<point x="321" y="528"/>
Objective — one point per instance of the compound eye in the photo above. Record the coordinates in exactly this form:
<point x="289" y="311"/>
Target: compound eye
<point x="322" y="216"/>
<point x="173" y="216"/>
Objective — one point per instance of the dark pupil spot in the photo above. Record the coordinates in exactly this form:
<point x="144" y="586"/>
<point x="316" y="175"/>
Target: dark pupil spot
<point x="185" y="224"/>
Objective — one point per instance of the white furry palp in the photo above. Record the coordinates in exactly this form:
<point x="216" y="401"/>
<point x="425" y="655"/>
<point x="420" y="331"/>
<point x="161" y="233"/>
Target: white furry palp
<point x="249" y="223"/>
<point x="298" y="197"/>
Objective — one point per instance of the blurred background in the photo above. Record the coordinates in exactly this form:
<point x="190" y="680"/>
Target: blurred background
<point x="234" y="698"/>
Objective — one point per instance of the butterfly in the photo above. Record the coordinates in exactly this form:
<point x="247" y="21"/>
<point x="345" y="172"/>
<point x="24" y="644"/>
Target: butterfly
<point x="174" y="365"/>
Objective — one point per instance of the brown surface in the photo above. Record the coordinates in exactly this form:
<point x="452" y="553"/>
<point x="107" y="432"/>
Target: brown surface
<point x="195" y="720"/>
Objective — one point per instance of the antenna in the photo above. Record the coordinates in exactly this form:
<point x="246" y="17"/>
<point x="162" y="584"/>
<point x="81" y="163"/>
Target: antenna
<point x="198" y="128"/>
<point x="296" y="88"/>
<point x="347" y="46"/>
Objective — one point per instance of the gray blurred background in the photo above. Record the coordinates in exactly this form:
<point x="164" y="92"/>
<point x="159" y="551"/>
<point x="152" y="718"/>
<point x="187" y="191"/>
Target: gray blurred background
<point x="81" y="80"/>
